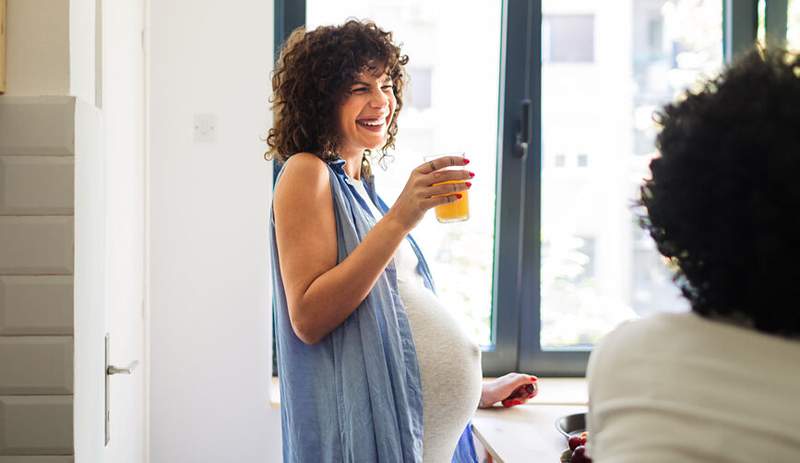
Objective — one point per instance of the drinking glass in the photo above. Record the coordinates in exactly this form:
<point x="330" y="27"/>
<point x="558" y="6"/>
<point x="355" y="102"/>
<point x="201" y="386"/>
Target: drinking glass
<point x="458" y="210"/>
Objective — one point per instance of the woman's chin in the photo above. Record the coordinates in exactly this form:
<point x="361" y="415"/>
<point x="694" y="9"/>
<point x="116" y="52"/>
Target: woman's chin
<point x="375" y="144"/>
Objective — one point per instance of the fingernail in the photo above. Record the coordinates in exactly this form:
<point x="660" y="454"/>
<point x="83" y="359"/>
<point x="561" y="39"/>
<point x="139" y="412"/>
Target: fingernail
<point x="466" y="161"/>
<point x="471" y="174"/>
<point x="469" y="184"/>
<point x="534" y="379"/>
<point x="458" y="196"/>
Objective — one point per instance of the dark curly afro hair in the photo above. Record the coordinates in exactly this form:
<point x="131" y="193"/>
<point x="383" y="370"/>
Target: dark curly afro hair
<point x="723" y="202"/>
<point x="310" y="80"/>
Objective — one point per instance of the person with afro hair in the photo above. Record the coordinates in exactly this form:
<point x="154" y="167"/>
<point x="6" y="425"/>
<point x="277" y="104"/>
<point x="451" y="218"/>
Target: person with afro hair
<point x="721" y="382"/>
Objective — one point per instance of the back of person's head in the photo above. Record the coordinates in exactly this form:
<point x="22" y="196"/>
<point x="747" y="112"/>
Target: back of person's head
<point x="723" y="202"/>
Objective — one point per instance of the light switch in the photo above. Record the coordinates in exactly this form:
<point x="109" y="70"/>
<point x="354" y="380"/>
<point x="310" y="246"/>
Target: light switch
<point x="205" y="128"/>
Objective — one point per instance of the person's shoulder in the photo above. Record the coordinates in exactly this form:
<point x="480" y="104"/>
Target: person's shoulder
<point x="304" y="164"/>
<point x="304" y="177"/>
<point x="646" y="329"/>
<point x="634" y="338"/>
<point x="303" y="169"/>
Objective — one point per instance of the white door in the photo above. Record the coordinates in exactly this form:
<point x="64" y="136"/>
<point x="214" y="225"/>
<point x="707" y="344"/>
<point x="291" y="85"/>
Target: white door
<point x="110" y="409"/>
<point x="123" y="120"/>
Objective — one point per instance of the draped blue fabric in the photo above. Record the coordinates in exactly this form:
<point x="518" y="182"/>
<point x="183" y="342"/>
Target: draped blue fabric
<point x="356" y="395"/>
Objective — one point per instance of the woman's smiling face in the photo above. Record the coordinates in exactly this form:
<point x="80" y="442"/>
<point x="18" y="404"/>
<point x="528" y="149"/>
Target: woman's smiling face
<point x="366" y="112"/>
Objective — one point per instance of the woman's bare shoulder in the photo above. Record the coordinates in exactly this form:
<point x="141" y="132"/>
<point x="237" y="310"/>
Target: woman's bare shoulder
<point x="303" y="181"/>
<point x="304" y="165"/>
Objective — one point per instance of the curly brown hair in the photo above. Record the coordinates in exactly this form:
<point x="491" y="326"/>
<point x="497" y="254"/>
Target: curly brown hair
<point x="310" y="81"/>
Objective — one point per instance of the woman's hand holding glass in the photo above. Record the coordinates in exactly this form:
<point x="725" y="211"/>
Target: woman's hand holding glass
<point x="427" y="188"/>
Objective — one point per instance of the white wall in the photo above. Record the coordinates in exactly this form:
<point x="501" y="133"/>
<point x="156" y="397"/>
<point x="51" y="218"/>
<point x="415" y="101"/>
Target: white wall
<point x="82" y="49"/>
<point x="210" y="296"/>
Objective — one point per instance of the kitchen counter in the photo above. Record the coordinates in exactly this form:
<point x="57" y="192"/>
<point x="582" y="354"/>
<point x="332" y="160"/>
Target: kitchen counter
<point x="527" y="433"/>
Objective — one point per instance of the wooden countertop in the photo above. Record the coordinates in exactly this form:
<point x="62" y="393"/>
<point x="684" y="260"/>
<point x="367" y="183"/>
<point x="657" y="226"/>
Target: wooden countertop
<point x="527" y="433"/>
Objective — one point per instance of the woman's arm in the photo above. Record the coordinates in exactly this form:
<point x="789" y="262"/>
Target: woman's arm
<point x="321" y="294"/>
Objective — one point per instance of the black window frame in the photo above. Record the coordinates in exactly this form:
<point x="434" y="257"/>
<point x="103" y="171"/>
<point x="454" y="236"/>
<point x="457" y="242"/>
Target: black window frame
<point x="516" y="323"/>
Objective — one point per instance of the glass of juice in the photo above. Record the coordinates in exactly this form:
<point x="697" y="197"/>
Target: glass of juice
<point x="458" y="210"/>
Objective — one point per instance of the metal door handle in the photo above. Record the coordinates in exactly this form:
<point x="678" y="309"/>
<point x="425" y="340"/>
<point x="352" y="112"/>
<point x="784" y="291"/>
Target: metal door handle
<point x="112" y="370"/>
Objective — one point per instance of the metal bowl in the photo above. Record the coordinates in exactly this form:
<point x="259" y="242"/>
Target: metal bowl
<point x="571" y="425"/>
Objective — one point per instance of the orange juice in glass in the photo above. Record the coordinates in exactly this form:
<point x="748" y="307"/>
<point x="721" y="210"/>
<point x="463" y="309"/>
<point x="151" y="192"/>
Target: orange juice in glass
<point x="458" y="210"/>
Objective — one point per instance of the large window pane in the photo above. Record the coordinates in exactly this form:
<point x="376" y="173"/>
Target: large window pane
<point x="761" y="26"/>
<point x="598" y="268"/>
<point x="793" y="29"/>
<point x="451" y="105"/>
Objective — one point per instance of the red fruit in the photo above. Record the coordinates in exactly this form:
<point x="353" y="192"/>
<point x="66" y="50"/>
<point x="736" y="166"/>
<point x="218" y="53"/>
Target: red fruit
<point x="511" y="402"/>
<point x="574" y="442"/>
<point x="579" y="455"/>
<point x="529" y="389"/>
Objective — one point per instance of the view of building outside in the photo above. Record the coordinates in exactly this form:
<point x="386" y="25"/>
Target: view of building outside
<point x="606" y="67"/>
<point x="598" y="267"/>
<point x="450" y="105"/>
<point x="761" y="23"/>
<point x="793" y="25"/>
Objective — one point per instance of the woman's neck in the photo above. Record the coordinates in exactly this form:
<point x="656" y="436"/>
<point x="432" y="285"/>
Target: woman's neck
<point x="352" y="165"/>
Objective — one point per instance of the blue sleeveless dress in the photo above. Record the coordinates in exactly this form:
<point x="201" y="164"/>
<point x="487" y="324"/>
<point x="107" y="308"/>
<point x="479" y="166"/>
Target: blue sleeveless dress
<point x="355" y="396"/>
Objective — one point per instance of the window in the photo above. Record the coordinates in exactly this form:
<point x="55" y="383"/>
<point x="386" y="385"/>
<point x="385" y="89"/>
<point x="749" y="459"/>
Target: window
<point x="443" y="45"/>
<point x="793" y="25"/>
<point x="777" y="23"/>
<point x="761" y="28"/>
<point x="655" y="34"/>
<point x="568" y="38"/>
<point x="420" y="81"/>
<point x="551" y="259"/>
<point x="664" y="47"/>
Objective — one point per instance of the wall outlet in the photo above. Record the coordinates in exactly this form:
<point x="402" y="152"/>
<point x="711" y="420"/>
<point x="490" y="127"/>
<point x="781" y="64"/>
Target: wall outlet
<point x="205" y="128"/>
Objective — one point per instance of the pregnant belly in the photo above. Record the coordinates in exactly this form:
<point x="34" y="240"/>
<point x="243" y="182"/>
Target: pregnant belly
<point x="450" y="369"/>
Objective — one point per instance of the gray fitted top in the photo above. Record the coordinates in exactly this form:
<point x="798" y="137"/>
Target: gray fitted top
<point x="449" y="361"/>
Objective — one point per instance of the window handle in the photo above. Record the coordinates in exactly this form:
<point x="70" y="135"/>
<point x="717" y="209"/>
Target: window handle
<point x="521" y="145"/>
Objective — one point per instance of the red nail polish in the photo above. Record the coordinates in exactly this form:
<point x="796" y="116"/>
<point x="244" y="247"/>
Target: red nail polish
<point x="466" y="161"/>
<point x="534" y="379"/>
<point x="468" y="184"/>
<point x="458" y="196"/>
<point x="471" y="174"/>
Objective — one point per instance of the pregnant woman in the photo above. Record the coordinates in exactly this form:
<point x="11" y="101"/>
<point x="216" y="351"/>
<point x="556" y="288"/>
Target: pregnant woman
<point x="372" y="367"/>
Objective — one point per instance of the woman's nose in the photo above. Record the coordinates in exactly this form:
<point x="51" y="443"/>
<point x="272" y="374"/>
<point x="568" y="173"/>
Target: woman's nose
<point x="379" y="99"/>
